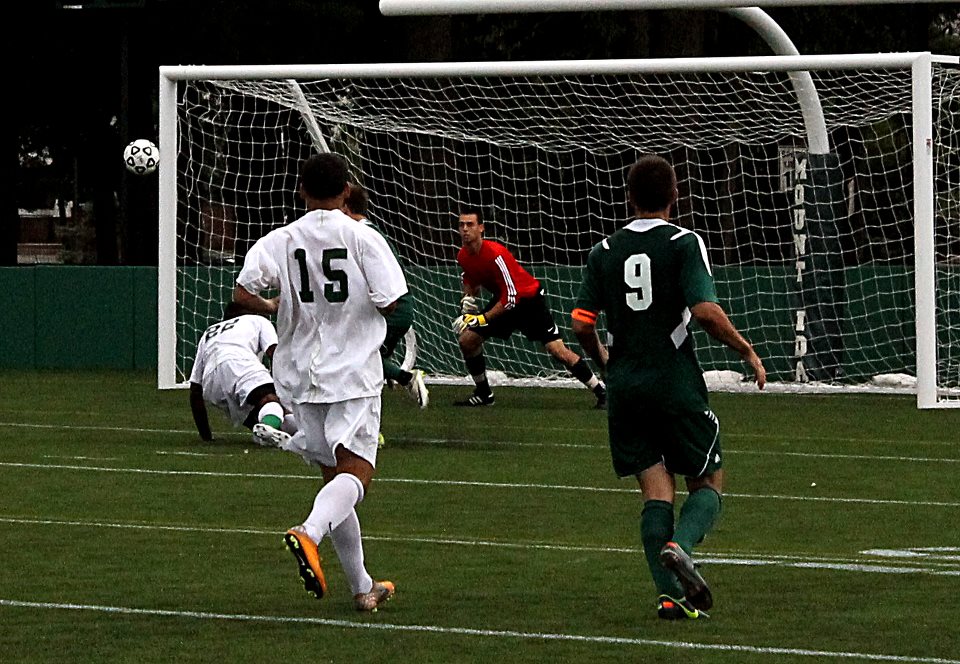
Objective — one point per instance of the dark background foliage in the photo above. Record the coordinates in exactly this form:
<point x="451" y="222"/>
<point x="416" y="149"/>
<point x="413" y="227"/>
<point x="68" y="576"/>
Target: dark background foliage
<point x="84" y="79"/>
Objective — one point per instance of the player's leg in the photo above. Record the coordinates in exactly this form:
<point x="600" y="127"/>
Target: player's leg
<point x="356" y="455"/>
<point x="254" y="388"/>
<point x="267" y="404"/>
<point x="700" y="510"/>
<point x="471" y="346"/>
<point x="656" y="525"/>
<point x="536" y="322"/>
<point x="579" y="369"/>
<point x="412" y="381"/>
<point x="289" y="425"/>
<point x="348" y="544"/>
<point x="698" y="457"/>
<point x="313" y="448"/>
<point x="267" y="416"/>
<point x="635" y="450"/>
<point x="367" y="593"/>
<point x="321" y="428"/>
<point x="350" y="428"/>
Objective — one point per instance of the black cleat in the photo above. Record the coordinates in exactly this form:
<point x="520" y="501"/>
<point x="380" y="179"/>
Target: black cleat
<point x="601" y="401"/>
<point x="675" y="559"/>
<point x="476" y="400"/>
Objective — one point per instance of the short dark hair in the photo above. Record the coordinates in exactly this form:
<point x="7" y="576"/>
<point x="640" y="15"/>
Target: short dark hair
<point x="232" y="310"/>
<point x="357" y="199"/>
<point x="324" y="175"/>
<point x="472" y="209"/>
<point x="651" y="183"/>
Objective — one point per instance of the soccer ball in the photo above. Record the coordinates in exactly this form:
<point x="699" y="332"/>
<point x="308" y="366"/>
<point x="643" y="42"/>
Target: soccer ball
<point x="141" y="157"/>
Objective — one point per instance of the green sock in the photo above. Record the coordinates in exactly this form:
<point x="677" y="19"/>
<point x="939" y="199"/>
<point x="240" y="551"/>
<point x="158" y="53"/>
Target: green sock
<point x="656" y="529"/>
<point x="697" y="517"/>
<point x="272" y="421"/>
<point x="392" y="371"/>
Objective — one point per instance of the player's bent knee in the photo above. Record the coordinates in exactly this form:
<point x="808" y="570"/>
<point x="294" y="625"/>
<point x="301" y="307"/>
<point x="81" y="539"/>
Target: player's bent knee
<point x="712" y="481"/>
<point x="470" y="343"/>
<point x="262" y="394"/>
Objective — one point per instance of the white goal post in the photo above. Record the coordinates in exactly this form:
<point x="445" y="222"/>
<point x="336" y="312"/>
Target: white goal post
<point x="843" y="268"/>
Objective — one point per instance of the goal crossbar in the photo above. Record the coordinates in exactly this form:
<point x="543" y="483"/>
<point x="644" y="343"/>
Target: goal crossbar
<point x="770" y="63"/>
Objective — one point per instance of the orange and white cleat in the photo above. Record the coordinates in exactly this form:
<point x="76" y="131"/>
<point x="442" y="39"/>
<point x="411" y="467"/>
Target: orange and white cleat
<point x="304" y="550"/>
<point x="381" y="592"/>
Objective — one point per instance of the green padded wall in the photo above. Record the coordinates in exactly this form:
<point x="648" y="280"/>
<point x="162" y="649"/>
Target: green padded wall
<point x="79" y="317"/>
<point x="75" y="317"/>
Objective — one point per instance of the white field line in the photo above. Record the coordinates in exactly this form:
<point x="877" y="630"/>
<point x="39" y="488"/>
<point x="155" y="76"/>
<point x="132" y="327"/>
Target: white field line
<point x="869" y="563"/>
<point x="596" y="431"/>
<point x="811" y="455"/>
<point x="470" y="631"/>
<point x="482" y="485"/>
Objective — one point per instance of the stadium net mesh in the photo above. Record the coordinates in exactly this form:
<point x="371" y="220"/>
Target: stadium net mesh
<point x="813" y="254"/>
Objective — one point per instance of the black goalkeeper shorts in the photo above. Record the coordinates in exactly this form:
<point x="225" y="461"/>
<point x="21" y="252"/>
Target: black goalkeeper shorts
<point x="531" y="316"/>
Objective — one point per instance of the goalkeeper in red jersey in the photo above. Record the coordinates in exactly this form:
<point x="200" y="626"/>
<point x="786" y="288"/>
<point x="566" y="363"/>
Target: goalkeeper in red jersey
<point x="518" y="304"/>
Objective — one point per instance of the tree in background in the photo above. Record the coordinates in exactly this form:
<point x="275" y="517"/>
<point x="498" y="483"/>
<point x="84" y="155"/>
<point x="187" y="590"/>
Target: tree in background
<point x="86" y="80"/>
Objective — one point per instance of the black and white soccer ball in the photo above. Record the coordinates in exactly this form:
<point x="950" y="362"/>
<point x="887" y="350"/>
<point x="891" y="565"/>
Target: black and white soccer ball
<point x="141" y="157"/>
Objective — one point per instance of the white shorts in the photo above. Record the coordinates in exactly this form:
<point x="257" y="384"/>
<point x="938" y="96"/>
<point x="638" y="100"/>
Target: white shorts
<point x="229" y="383"/>
<point x="354" y="423"/>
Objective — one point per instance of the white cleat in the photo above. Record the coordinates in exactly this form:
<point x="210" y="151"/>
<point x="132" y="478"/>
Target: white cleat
<point x="417" y="389"/>
<point x="266" y="436"/>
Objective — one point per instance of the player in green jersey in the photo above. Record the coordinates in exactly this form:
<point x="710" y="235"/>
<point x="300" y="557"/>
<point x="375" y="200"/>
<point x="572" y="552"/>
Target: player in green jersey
<point x="650" y="278"/>
<point x="400" y="320"/>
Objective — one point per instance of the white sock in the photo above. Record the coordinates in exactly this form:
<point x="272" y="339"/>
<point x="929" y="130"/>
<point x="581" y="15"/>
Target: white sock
<point x="349" y="547"/>
<point x="271" y="413"/>
<point x="334" y="503"/>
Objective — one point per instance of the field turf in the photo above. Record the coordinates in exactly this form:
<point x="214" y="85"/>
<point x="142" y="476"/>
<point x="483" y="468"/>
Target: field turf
<point x="124" y="538"/>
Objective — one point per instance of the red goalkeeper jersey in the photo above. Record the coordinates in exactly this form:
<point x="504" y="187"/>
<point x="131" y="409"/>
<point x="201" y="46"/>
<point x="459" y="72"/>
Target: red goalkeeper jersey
<point x="495" y="269"/>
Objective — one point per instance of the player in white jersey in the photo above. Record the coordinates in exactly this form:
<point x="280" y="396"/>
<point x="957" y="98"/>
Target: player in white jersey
<point x="229" y="374"/>
<point x="400" y="321"/>
<point x="337" y="280"/>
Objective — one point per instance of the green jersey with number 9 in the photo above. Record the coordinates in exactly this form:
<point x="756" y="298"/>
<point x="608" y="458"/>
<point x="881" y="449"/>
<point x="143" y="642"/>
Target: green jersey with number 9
<point x="645" y="277"/>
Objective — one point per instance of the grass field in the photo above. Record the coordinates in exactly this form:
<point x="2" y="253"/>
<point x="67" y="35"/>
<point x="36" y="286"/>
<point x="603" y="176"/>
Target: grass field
<point x="124" y="538"/>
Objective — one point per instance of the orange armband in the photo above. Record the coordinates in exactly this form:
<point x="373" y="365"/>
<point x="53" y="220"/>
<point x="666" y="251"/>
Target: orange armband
<point x="584" y="316"/>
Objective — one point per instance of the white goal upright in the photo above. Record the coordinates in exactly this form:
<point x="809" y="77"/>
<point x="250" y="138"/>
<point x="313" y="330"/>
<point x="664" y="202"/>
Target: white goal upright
<point x="838" y="254"/>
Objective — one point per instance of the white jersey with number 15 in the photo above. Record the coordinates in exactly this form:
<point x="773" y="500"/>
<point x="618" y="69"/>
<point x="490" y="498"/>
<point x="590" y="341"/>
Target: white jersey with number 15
<point x="333" y="274"/>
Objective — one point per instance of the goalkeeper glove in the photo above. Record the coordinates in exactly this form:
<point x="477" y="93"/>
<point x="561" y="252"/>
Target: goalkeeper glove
<point x="468" y="321"/>
<point x="468" y="305"/>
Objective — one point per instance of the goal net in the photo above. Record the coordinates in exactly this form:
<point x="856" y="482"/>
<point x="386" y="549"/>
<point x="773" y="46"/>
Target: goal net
<point x="841" y="265"/>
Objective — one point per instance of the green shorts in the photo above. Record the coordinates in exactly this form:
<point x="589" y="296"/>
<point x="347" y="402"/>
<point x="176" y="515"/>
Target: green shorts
<point x="644" y="434"/>
<point x="398" y="322"/>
